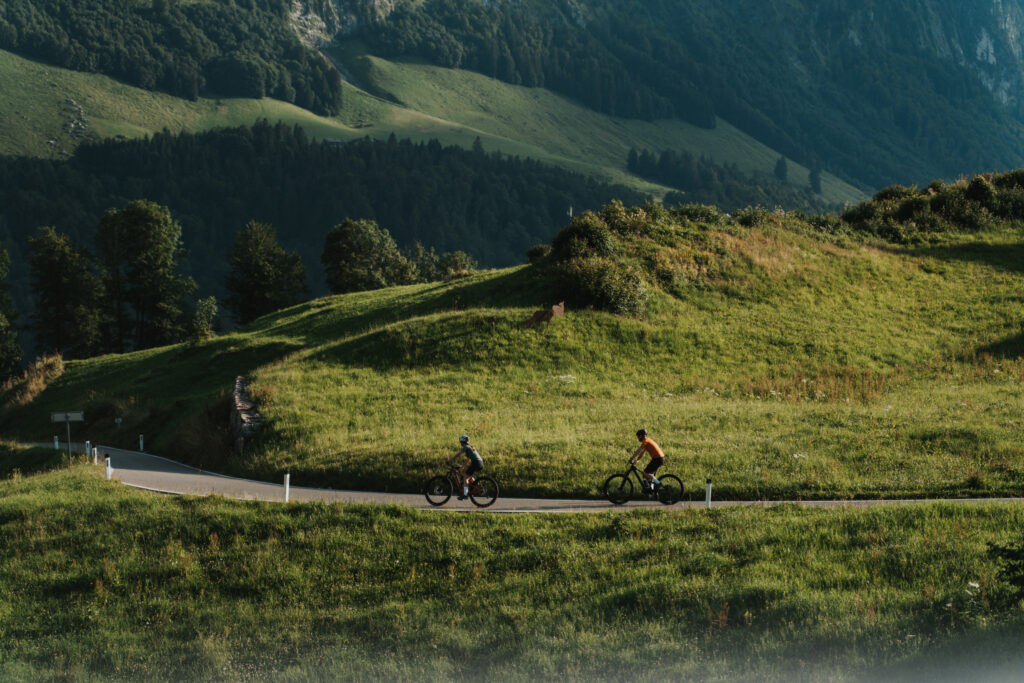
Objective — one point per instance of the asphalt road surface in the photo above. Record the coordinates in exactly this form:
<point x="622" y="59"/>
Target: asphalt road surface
<point x="154" y="473"/>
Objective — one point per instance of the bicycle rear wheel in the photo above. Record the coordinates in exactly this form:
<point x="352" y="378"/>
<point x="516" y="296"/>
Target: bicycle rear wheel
<point x="671" y="490"/>
<point x="618" y="489"/>
<point x="439" y="490"/>
<point x="483" y="492"/>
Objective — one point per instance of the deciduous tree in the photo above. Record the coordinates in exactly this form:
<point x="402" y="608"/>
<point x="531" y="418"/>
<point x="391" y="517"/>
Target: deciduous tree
<point x="358" y="255"/>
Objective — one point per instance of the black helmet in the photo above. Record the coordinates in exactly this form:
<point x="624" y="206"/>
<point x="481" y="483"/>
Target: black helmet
<point x="464" y="438"/>
<point x="641" y="434"/>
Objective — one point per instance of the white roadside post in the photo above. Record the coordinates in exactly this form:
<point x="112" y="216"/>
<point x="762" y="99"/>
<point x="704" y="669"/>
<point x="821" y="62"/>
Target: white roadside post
<point x="110" y="469"/>
<point x="142" y="444"/>
<point x="95" y="455"/>
<point x="56" y="442"/>
<point x="88" y="448"/>
<point x="707" y="495"/>
<point x="287" y="484"/>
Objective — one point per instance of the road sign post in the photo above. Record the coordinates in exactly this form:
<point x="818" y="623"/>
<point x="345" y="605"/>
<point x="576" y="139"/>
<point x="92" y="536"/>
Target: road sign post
<point x="67" y="417"/>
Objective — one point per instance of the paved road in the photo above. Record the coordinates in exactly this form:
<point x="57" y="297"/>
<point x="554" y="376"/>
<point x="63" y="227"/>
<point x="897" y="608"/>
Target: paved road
<point x="154" y="473"/>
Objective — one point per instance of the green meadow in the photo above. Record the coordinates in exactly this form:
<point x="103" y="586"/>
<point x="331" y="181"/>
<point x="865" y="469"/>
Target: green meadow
<point x="102" y="582"/>
<point x="422" y="103"/>
<point x="778" y="359"/>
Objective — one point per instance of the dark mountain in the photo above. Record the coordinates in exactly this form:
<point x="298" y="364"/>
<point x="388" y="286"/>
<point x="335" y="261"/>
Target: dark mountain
<point x="876" y="92"/>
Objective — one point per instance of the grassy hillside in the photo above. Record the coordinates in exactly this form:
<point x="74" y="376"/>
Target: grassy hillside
<point x="101" y="581"/>
<point x="541" y="124"/>
<point x="780" y="356"/>
<point x="521" y="121"/>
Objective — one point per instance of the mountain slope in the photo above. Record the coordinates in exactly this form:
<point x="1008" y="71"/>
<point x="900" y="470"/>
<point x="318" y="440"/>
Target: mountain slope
<point x="877" y="92"/>
<point x="781" y="356"/>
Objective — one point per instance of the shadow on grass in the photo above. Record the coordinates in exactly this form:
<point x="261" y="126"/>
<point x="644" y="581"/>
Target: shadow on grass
<point x="518" y="288"/>
<point x="150" y="391"/>
<point x="1010" y="348"/>
<point x="1008" y="257"/>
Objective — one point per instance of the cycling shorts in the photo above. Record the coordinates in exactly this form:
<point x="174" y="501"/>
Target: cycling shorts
<point x="474" y="466"/>
<point x="653" y="465"/>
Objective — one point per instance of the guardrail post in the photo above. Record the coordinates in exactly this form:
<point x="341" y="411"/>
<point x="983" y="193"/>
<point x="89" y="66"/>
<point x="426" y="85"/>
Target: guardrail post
<point x="287" y="484"/>
<point x="707" y="495"/>
<point x="110" y="469"/>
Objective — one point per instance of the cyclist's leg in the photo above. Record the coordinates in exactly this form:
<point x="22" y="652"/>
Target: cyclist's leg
<point x="651" y="470"/>
<point x="471" y="468"/>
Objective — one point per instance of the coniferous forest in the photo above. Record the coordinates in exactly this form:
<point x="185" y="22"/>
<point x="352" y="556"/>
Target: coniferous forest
<point x="795" y="76"/>
<point x="488" y="205"/>
<point x="226" y="48"/>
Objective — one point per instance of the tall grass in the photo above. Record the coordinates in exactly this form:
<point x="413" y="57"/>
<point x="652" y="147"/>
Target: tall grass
<point x="100" y="581"/>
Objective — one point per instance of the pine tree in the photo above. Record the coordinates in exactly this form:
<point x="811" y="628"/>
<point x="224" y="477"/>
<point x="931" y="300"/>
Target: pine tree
<point x="68" y="315"/>
<point x="138" y="248"/>
<point x="782" y="169"/>
<point x="263" y="277"/>
<point x="10" y="352"/>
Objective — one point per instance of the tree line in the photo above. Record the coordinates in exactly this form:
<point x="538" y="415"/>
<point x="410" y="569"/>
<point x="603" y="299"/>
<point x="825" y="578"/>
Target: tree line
<point x="127" y="291"/>
<point x="233" y="48"/>
<point x="534" y="45"/>
<point x="699" y="180"/>
<point x="488" y="205"/>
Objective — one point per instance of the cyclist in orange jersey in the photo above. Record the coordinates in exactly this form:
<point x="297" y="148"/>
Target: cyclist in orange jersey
<point x="648" y="446"/>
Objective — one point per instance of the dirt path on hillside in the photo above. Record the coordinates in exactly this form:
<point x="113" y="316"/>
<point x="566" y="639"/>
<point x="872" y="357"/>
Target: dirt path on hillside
<point x="154" y="473"/>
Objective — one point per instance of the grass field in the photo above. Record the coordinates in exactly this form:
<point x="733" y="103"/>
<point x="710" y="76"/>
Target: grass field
<point x="100" y="581"/>
<point x="793" y="364"/>
<point x="452" y="106"/>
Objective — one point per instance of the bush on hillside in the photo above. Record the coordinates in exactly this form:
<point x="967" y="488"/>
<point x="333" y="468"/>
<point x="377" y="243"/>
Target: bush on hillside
<point x="981" y="190"/>
<point x="895" y="192"/>
<point x="956" y="207"/>
<point x="1009" y="180"/>
<point x="633" y="221"/>
<point x="602" y="284"/>
<point x="752" y="216"/>
<point x="538" y="252"/>
<point x="586" y="236"/>
<point x="699" y="213"/>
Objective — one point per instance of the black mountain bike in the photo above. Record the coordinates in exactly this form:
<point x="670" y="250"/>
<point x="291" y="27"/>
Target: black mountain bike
<point x="618" y="488"/>
<point x="483" y="491"/>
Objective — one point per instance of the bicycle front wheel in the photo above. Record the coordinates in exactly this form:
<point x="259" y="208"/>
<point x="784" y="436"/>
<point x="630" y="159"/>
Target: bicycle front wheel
<point x="483" y="492"/>
<point x="618" y="489"/>
<point x="439" y="490"/>
<point x="671" y="490"/>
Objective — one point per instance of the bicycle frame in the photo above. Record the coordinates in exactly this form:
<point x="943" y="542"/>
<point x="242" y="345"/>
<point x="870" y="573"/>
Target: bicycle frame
<point x="455" y="474"/>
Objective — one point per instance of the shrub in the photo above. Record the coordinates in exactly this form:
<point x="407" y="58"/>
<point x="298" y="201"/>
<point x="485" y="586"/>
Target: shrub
<point x="455" y="264"/>
<point x="981" y="190"/>
<point x="861" y="213"/>
<point x="752" y="216"/>
<point x="625" y="221"/>
<point x="1010" y="179"/>
<point x="895" y="192"/>
<point x="587" y="235"/>
<point x="538" y="252"/>
<point x="699" y="213"/>
<point x="913" y="208"/>
<point x="604" y="285"/>
<point x="827" y="223"/>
